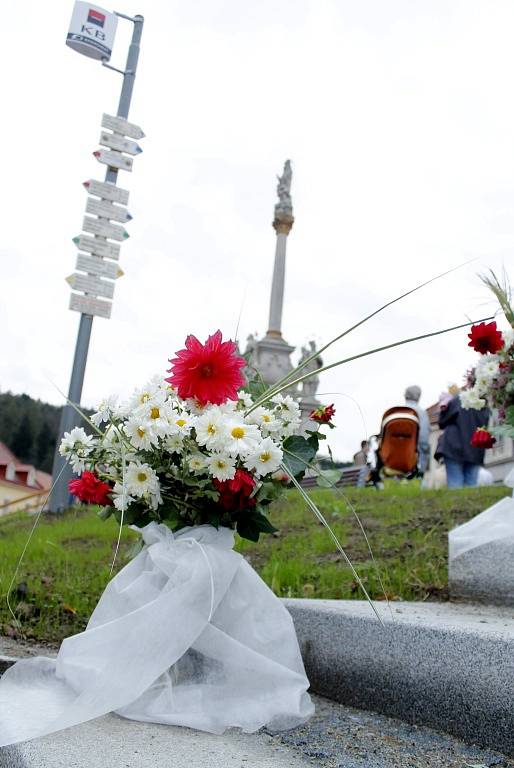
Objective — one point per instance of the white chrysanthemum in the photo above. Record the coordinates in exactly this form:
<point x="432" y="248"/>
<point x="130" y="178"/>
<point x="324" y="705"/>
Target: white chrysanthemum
<point x="265" y="419"/>
<point x="469" y="398"/>
<point x="211" y="428"/>
<point x="240" y="438"/>
<point x="174" y="443"/>
<point x="121" y="497"/>
<point x="286" y="407"/>
<point x="106" y="410"/>
<point x="221" y="466"/>
<point x="141" y="433"/>
<point x="266" y="458"/>
<point x="141" y="481"/>
<point x="197" y="463"/>
<point x="181" y="423"/>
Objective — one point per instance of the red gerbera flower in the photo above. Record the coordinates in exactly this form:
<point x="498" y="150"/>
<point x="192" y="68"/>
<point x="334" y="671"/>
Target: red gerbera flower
<point x="235" y="494"/>
<point x="485" y="337"/>
<point x="323" y="414"/>
<point x="482" y="438"/>
<point x="88" y="487"/>
<point x="210" y="372"/>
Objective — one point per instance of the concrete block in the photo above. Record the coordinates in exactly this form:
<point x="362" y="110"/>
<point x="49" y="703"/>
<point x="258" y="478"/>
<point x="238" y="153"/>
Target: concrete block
<point x="447" y="666"/>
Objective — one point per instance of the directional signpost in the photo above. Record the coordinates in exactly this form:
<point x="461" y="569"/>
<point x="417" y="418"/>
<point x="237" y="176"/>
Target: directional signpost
<point x="97" y="261"/>
<point x="98" y="246"/>
<point x="107" y="210"/>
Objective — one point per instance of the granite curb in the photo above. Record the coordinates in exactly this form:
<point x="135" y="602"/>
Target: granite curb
<point x="447" y="666"/>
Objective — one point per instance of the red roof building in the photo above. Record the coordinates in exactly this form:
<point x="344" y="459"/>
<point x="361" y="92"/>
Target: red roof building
<point x="22" y="486"/>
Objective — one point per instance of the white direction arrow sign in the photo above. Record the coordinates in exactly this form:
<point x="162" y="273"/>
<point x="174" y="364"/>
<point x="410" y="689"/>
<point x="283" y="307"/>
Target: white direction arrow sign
<point x="119" y="125"/>
<point x="107" y="191"/>
<point x="95" y="265"/>
<point x="115" y="141"/>
<point x="107" y="210"/>
<point x="104" y="228"/>
<point x="90" y="306"/>
<point x="92" y="285"/>
<point x="114" y="159"/>
<point x="95" y="245"/>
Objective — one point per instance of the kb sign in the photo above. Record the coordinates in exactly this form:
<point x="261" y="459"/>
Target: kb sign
<point x="92" y="31"/>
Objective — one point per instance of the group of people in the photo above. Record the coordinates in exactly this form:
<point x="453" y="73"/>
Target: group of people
<point x="462" y="461"/>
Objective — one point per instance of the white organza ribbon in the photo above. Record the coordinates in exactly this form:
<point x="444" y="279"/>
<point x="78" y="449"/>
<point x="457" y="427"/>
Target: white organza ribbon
<point x="185" y="634"/>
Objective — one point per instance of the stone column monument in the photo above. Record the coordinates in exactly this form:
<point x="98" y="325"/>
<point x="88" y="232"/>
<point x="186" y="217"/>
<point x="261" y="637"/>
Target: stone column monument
<point x="271" y="355"/>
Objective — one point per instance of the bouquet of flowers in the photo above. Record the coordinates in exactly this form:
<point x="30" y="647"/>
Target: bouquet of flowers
<point x="194" y="448"/>
<point x="491" y="382"/>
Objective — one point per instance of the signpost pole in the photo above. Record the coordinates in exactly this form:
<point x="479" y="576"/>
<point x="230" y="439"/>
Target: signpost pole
<point x="61" y="475"/>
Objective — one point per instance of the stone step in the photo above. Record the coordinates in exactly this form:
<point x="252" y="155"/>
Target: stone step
<point x="447" y="666"/>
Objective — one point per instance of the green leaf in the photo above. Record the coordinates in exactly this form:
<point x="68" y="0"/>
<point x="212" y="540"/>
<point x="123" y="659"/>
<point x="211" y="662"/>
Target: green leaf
<point x="298" y="454"/>
<point x="269" y="492"/>
<point x="252" y="524"/>
<point x="328" y="477"/>
<point x="104" y="513"/>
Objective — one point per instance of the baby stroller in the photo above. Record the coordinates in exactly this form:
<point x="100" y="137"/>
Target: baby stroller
<point x="396" y="453"/>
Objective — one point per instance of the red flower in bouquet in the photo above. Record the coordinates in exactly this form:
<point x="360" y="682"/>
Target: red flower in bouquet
<point x="88" y="487"/>
<point x="210" y="372"/>
<point x="482" y="439"/>
<point x="235" y="494"/>
<point x="485" y="337"/>
<point x="323" y="414"/>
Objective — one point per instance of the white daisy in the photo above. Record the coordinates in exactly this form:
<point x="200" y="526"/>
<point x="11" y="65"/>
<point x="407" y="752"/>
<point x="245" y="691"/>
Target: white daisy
<point x="174" y="443"/>
<point x="159" y="415"/>
<point x="141" y="480"/>
<point x="469" y="398"/>
<point x="151" y="393"/>
<point x="286" y="407"/>
<point x="241" y="438"/>
<point x="211" y="428"/>
<point x="76" y="447"/>
<point x="193" y="406"/>
<point x="121" y="497"/>
<point x="245" y="399"/>
<point x="221" y="466"/>
<point x="197" y="463"/>
<point x="181" y="423"/>
<point x="265" y="419"/>
<point x="266" y="458"/>
<point x="106" y="410"/>
<point x="141" y="433"/>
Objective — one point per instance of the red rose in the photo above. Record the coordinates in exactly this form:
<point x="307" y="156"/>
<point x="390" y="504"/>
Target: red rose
<point x="482" y="439"/>
<point x="89" y="488"/>
<point x="235" y="494"/>
<point x="323" y="414"/>
<point x="485" y="337"/>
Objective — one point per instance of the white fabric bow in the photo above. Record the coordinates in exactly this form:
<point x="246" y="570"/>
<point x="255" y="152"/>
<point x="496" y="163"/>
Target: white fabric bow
<point x="185" y="634"/>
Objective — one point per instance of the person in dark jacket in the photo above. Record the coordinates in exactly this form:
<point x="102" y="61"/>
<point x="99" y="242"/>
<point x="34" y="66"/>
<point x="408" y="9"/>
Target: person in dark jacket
<point x="461" y="460"/>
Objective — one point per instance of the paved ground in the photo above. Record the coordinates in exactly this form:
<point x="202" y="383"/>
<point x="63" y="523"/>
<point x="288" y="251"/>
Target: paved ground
<point x="337" y="737"/>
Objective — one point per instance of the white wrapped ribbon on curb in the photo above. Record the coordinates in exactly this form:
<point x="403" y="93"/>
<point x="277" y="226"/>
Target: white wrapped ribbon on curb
<point x="186" y="634"/>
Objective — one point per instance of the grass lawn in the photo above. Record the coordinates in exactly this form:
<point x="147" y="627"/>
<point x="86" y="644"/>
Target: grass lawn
<point x="67" y="563"/>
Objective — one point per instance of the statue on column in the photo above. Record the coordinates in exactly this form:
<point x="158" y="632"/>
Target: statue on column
<point x="310" y="385"/>
<point x="284" y="187"/>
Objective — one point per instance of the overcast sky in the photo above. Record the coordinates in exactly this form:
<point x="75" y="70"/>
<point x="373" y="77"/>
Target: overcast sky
<point x="398" y="117"/>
